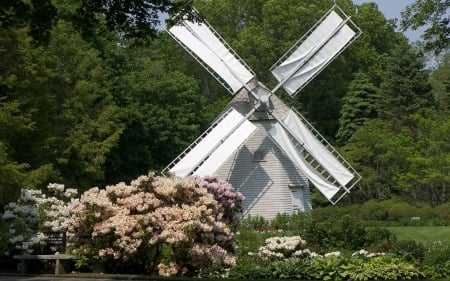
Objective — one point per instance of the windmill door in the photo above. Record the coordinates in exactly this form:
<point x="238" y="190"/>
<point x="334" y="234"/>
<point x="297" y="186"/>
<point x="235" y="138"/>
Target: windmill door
<point x="297" y="198"/>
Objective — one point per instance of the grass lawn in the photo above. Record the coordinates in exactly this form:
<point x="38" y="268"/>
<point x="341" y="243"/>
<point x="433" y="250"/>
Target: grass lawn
<point x="422" y="234"/>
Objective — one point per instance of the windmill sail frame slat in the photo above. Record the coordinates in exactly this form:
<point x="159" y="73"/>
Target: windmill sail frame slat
<point x="206" y="45"/>
<point x="334" y="32"/>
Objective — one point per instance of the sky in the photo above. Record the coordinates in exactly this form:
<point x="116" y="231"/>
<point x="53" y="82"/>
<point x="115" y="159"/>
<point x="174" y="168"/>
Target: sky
<point x="391" y="9"/>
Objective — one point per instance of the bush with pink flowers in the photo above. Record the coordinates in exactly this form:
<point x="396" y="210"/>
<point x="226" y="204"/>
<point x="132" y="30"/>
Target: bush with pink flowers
<point x="164" y="225"/>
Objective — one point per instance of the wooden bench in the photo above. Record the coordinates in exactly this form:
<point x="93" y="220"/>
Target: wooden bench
<point x="62" y="262"/>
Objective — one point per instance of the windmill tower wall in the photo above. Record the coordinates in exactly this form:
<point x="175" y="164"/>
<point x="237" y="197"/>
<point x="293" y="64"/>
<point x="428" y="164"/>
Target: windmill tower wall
<point x="270" y="182"/>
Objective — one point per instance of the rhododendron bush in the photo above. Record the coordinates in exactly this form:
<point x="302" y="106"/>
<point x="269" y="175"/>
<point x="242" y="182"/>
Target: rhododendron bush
<point x="35" y="214"/>
<point x="165" y="225"/>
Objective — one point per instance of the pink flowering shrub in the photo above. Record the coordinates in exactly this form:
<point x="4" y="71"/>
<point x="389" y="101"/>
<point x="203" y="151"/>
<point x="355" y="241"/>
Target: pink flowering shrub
<point x="163" y="225"/>
<point x="229" y="202"/>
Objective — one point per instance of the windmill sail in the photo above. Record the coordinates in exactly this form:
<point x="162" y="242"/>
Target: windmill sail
<point x="214" y="146"/>
<point x="213" y="53"/>
<point x="284" y="142"/>
<point x="322" y="164"/>
<point x="320" y="151"/>
<point x="310" y="55"/>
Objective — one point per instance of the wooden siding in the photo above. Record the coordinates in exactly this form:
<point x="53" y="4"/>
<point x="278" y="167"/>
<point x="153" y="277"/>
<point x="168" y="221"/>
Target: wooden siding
<point x="265" y="184"/>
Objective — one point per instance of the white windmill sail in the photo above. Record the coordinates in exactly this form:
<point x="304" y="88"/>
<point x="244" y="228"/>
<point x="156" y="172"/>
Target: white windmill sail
<point x="310" y="55"/>
<point x="213" y="53"/>
<point x="282" y="139"/>
<point x="322" y="153"/>
<point x="229" y="146"/>
<point x="327" y="170"/>
<point x="214" y="146"/>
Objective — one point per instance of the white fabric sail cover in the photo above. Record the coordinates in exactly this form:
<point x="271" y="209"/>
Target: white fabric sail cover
<point x="198" y="38"/>
<point x="282" y="139"/>
<point x="233" y="121"/>
<point x="315" y="62"/>
<point x="319" y="151"/>
<point x="227" y="148"/>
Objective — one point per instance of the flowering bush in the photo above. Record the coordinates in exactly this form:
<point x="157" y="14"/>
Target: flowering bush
<point x="163" y="225"/>
<point x="284" y="248"/>
<point x="35" y="214"/>
<point x="286" y="258"/>
<point x="229" y="202"/>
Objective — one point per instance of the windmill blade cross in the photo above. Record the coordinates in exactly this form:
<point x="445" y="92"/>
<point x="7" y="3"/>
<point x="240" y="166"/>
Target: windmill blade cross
<point x="326" y="169"/>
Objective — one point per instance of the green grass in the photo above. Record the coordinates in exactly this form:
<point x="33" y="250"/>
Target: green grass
<point x="422" y="234"/>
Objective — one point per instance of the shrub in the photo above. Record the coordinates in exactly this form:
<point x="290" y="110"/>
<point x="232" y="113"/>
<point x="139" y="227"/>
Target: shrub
<point x="35" y="214"/>
<point x="443" y="211"/>
<point x="373" y="210"/>
<point x="345" y="233"/>
<point x="437" y="253"/>
<point x="376" y="234"/>
<point x="251" y="267"/>
<point x="169" y="226"/>
<point x="257" y="223"/>
<point x="332" y="213"/>
<point x="400" y="210"/>
<point x="437" y="271"/>
<point x="408" y="249"/>
<point x="381" y="268"/>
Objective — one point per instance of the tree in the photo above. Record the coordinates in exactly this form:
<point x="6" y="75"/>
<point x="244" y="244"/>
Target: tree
<point x="38" y="15"/>
<point x="440" y="81"/>
<point x="434" y="15"/>
<point x="405" y="89"/>
<point x="371" y="150"/>
<point x="13" y="126"/>
<point x="359" y="104"/>
<point x="59" y="87"/>
<point x="428" y="170"/>
<point x="138" y="19"/>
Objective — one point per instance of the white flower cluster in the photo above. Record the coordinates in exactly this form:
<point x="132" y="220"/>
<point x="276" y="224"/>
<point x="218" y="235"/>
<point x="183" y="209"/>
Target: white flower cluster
<point x="365" y="253"/>
<point x="34" y="214"/>
<point x="289" y="247"/>
<point x="284" y="247"/>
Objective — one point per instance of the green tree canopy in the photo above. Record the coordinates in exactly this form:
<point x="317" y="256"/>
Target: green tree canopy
<point x="434" y="16"/>
<point x="360" y="103"/>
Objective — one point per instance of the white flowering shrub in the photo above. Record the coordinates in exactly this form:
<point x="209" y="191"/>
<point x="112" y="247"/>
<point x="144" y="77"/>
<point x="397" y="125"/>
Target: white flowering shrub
<point x="285" y="247"/>
<point x="35" y="214"/>
<point x="163" y="225"/>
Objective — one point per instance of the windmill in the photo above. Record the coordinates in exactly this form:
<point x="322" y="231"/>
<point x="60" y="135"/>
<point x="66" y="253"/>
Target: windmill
<point x="266" y="150"/>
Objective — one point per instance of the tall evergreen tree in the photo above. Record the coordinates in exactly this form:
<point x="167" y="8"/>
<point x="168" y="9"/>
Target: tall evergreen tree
<point x="405" y="89"/>
<point x="359" y="104"/>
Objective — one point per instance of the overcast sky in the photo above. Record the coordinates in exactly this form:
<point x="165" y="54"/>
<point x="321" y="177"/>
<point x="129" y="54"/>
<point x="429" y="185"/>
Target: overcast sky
<point x="391" y="9"/>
